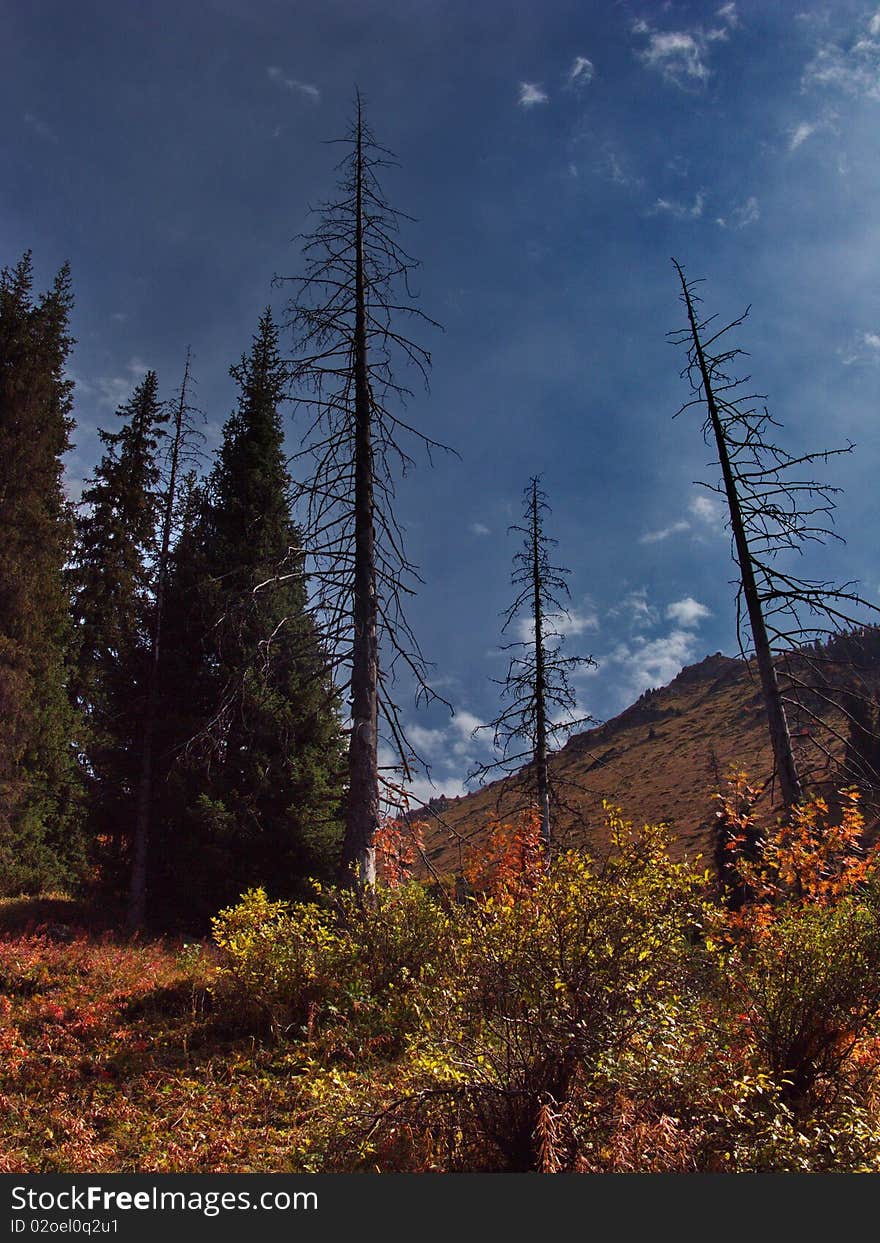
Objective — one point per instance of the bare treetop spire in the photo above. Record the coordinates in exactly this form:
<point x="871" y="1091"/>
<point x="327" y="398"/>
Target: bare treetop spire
<point x="345" y="315"/>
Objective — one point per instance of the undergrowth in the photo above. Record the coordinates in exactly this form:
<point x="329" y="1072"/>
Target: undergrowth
<point x="621" y="1014"/>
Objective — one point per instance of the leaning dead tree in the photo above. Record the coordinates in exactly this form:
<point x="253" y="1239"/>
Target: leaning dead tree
<point x="346" y="315"/>
<point x="539" y="701"/>
<point x="776" y="507"/>
<point x="182" y="438"/>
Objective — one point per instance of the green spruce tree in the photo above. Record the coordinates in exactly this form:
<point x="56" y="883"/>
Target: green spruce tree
<point x="40" y="841"/>
<point x="258" y="748"/>
<point x="112" y="591"/>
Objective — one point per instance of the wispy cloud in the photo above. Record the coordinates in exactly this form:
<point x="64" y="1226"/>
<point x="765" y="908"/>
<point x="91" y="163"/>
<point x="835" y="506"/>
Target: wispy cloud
<point x="706" y="515"/>
<point x="850" y="64"/>
<point x="293" y="84"/>
<point x="581" y="72"/>
<point x="41" y="128"/>
<point x="687" y="612"/>
<point x="646" y="663"/>
<point x="682" y="56"/>
<point x="674" y="528"/>
<point x="710" y="512"/>
<point x="110" y="391"/>
<point x="741" y="216"/>
<point x="573" y="622"/>
<point x="635" y="609"/>
<point x="530" y="93"/>
<point x="680" y="211"/>
<point x="614" y="167"/>
<point x="864" y="349"/>
<point x="800" y="134"/>
<point x="642" y="657"/>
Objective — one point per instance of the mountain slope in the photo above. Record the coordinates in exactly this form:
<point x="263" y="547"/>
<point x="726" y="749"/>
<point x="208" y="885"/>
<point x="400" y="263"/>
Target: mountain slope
<point x="662" y="759"/>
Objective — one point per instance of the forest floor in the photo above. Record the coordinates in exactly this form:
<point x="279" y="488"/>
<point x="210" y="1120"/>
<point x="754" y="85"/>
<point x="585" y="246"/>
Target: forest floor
<point x="115" y="1058"/>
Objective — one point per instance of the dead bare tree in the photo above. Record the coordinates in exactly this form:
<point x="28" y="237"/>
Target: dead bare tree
<point x="775" y="507"/>
<point x="184" y="434"/>
<point x="537" y="686"/>
<point x="344" y="316"/>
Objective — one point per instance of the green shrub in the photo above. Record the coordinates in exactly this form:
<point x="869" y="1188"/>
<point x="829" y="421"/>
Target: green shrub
<point x="342" y="966"/>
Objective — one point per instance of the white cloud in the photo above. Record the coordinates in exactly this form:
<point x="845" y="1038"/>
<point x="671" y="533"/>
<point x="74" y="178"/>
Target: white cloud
<point x="706" y="512"/>
<point x="681" y="56"/>
<point x="687" y="612"/>
<point x="654" y="662"/>
<point x="581" y="72"/>
<point x="680" y="211"/>
<point x="635" y="608"/>
<point x="572" y="622"/>
<point x="850" y="65"/>
<point x="429" y="743"/>
<point x="709" y="510"/>
<point x="421" y="790"/>
<point x="865" y="349"/>
<point x="613" y="166"/>
<point x="293" y="84"/>
<point x="675" y="528"/>
<point x="742" y="215"/>
<point x="530" y="94"/>
<point x="479" y="528"/>
<point x="801" y="133"/>
<point x="677" y="55"/>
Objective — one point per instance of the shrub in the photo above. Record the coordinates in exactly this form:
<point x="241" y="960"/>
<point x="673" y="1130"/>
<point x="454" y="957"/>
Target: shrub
<point x="341" y="965"/>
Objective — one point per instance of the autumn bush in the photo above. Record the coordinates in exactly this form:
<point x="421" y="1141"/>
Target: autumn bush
<point x="573" y="1014"/>
<point x="343" y="967"/>
<point x="616" y="1015"/>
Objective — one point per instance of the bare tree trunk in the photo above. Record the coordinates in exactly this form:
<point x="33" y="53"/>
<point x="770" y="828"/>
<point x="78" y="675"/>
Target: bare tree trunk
<point x="362" y="808"/>
<point x="789" y="781"/>
<point x="540" y="679"/>
<point x="137" y="899"/>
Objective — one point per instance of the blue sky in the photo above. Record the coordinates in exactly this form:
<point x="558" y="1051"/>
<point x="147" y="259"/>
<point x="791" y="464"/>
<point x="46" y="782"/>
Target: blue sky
<point x="556" y="155"/>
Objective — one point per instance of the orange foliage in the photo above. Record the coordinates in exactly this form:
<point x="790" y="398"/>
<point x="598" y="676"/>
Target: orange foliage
<point x="398" y="846"/>
<point x="512" y="862"/>
<point x="810" y="859"/>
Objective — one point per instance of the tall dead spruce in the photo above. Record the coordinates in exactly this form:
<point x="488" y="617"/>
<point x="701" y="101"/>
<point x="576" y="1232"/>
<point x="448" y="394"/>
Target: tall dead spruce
<point x="345" y="315"/>
<point x="537" y="686"/>
<point x="775" y="508"/>
<point x="180" y="452"/>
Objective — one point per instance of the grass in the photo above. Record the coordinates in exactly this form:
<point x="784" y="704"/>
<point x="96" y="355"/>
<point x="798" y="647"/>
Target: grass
<point x="114" y="1057"/>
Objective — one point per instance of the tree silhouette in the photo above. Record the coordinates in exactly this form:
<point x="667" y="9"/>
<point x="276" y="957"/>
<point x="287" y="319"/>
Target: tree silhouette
<point x="182" y="436"/>
<point x="537" y="685"/>
<point x="41" y="844"/>
<point x="775" y="507"/>
<point x="112" y="581"/>
<point x="345" y="315"/>
<point x="250" y="725"/>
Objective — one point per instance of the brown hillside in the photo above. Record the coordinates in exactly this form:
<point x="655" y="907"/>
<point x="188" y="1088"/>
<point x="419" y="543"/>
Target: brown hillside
<point x="660" y="760"/>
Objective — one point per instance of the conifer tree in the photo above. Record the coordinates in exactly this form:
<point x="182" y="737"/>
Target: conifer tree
<point x="258" y="748"/>
<point x="112" y="602"/>
<point x="181" y="437"/>
<point x="40" y="842"/>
